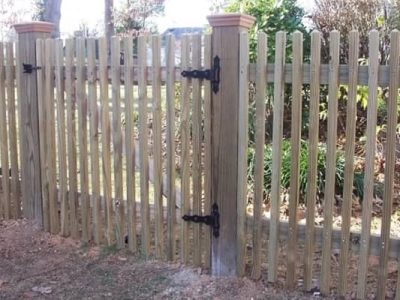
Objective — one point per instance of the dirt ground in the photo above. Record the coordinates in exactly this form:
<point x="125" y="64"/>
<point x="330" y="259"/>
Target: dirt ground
<point x="37" y="265"/>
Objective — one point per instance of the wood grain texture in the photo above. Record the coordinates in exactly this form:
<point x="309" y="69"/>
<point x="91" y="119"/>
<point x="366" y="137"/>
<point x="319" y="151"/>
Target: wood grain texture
<point x="50" y="137"/>
<point x="157" y="145"/>
<point x="61" y="137"/>
<point x="12" y="130"/>
<point x="276" y="155"/>
<point x="117" y="142"/>
<point x="170" y="117"/>
<point x="296" y="113"/>
<point x="82" y="103"/>
<point x="185" y="154"/>
<point x="225" y="109"/>
<point x="40" y="58"/>
<point x="351" y="115"/>
<point x="207" y="150"/>
<point x="330" y="161"/>
<point x="369" y="163"/>
<point x="94" y="141"/>
<point x="390" y="160"/>
<point x="196" y="146"/>
<point x="313" y="133"/>
<point x="143" y="145"/>
<point x="5" y="166"/>
<point x="129" y="146"/>
<point x="106" y="139"/>
<point x="71" y="138"/>
<point x="259" y="162"/>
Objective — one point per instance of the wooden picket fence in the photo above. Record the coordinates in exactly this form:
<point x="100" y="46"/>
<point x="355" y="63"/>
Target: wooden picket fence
<point x="125" y="150"/>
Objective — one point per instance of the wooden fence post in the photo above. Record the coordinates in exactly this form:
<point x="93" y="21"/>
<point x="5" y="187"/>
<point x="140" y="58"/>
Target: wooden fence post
<point x="229" y="141"/>
<point x="28" y="33"/>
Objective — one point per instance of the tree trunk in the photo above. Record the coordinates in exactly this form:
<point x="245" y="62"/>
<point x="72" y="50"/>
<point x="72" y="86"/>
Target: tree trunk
<point x="52" y="13"/>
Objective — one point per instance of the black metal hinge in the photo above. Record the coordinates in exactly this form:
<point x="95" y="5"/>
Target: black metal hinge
<point x="28" y="68"/>
<point x="211" y="220"/>
<point x="208" y="74"/>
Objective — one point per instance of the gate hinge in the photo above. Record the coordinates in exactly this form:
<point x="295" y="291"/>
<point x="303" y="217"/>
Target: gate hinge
<point x="28" y="68"/>
<point x="208" y="74"/>
<point x="211" y="220"/>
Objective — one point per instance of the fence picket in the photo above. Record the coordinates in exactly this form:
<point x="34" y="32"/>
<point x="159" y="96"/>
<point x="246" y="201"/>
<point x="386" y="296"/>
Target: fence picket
<point x="260" y="144"/>
<point x="171" y="210"/>
<point x="117" y="142"/>
<point x="94" y="140"/>
<point x="207" y="150"/>
<point x="82" y="135"/>
<point x="71" y="138"/>
<point x="390" y="160"/>
<point x="12" y="130"/>
<point x="351" y="115"/>
<point x="50" y="136"/>
<point x="297" y="88"/>
<point x="157" y="147"/>
<point x="129" y="144"/>
<point x="4" y="141"/>
<point x="62" y="163"/>
<point x="185" y="156"/>
<point x="143" y="144"/>
<point x="276" y="155"/>
<point x="369" y="163"/>
<point x="330" y="161"/>
<point x="196" y="144"/>
<point x="313" y="157"/>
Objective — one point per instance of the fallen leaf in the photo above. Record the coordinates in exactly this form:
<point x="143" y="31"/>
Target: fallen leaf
<point x="42" y="289"/>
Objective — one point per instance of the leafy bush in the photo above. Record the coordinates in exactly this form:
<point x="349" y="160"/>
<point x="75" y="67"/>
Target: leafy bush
<point x="304" y="163"/>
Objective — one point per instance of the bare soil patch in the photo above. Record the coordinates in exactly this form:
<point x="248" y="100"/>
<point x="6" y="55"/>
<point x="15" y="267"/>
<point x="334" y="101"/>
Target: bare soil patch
<point x="37" y="265"/>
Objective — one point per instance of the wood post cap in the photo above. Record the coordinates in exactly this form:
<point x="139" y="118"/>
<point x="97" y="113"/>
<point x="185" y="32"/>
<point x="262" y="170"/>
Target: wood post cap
<point x="36" y="26"/>
<point x="231" y="19"/>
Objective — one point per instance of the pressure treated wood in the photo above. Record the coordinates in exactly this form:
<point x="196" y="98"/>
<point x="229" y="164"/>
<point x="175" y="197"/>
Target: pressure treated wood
<point x="185" y="154"/>
<point x="71" y="138"/>
<point x="143" y="145"/>
<point x="207" y="150"/>
<point x="276" y="155"/>
<point x="390" y="160"/>
<point x="82" y="103"/>
<point x="5" y="182"/>
<point x="170" y="116"/>
<point x="61" y="137"/>
<point x="259" y="162"/>
<point x="369" y="163"/>
<point x="296" y="112"/>
<point x="130" y="147"/>
<point x="157" y="145"/>
<point x="94" y="142"/>
<point x="228" y="113"/>
<point x="29" y="127"/>
<point x="40" y="58"/>
<point x="196" y="146"/>
<point x="106" y="140"/>
<point x="117" y="142"/>
<point x="12" y="130"/>
<point x="313" y="132"/>
<point x="330" y="161"/>
<point x="351" y="115"/>
<point x="50" y="137"/>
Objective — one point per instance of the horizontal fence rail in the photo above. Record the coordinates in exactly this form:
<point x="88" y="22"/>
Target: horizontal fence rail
<point x="125" y="152"/>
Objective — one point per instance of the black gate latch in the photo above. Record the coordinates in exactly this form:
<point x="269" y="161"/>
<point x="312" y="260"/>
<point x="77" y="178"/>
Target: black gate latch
<point x="28" y="68"/>
<point x="211" y="220"/>
<point x="208" y="74"/>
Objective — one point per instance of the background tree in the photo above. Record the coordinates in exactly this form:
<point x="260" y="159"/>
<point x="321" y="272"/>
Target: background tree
<point x="49" y="11"/>
<point x="10" y="13"/>
<point x="135" y="16"/>
<point x="108" y="20"/>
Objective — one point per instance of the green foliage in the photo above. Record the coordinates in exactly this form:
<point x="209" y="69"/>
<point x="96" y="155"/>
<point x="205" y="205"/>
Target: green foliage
<point x="272" y="16"/>
<point x="304" y="163"/>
